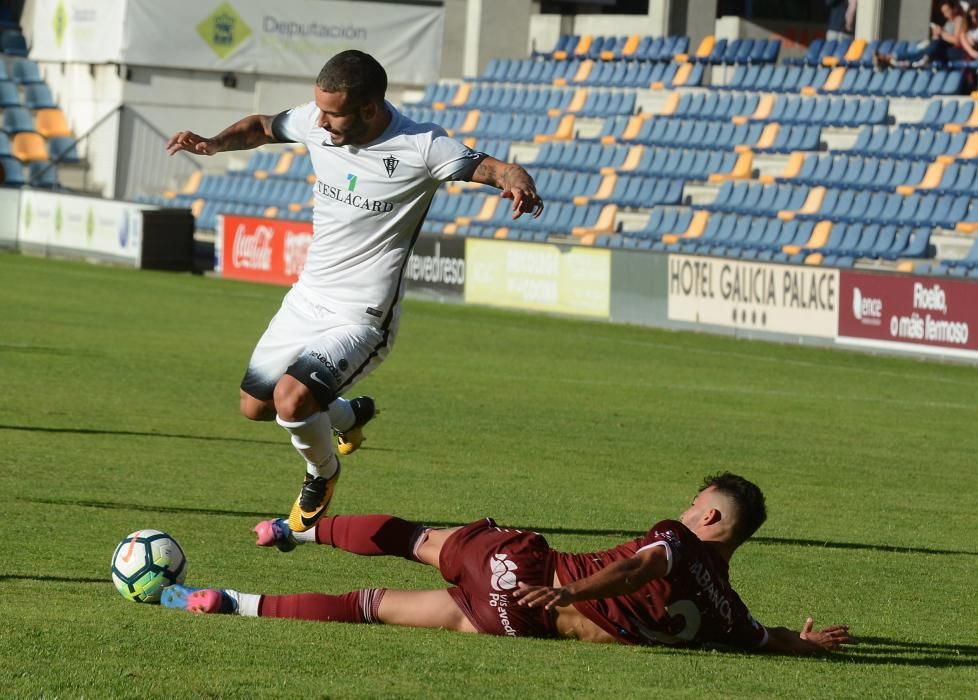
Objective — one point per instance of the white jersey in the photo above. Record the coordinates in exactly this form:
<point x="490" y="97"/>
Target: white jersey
<point x="370" y="202"/>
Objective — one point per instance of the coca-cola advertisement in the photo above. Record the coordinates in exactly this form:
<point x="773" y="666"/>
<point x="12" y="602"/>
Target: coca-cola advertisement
<point x="263" y="250"/>
<point x="932" y="314"/>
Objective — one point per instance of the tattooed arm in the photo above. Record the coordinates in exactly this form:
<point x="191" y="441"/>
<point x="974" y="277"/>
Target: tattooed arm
<point x="249" y="132"/>
<point x="515" y="183"/>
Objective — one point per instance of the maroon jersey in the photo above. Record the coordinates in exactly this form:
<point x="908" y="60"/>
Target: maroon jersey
<point x="692" y="604"/>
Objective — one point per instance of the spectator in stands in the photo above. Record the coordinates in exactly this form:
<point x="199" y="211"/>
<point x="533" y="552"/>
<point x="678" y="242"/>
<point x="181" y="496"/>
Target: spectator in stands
<point x="842" y="19"/>
<point x="944" y="45"/>
<point x="969" y="37"/>
<point x="376" y="173"/>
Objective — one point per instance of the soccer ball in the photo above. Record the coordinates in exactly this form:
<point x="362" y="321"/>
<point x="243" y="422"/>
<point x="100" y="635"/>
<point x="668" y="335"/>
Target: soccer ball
<point x="146" y="561"/>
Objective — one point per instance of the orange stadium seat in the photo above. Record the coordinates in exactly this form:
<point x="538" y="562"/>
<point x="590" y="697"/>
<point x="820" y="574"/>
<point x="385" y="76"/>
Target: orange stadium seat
<point x="28" y="147"/>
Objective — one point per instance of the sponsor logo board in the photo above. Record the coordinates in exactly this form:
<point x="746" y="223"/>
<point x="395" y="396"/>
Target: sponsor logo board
<point x="540" y="277"/>
<point x="795" y="299"/>
<point x="437" y="265"/>
<point x="913" y="313"/>
<point x="263" y="250"/>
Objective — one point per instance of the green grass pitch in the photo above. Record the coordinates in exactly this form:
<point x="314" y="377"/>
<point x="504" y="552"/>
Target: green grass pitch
<point x="119" y="412"/>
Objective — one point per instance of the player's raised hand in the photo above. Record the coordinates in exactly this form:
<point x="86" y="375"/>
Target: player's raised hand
<point x="525" y="200"/>
<point x="542" y="596"/>
<point x="192" y="143"/>
<point x="829" y="638"/>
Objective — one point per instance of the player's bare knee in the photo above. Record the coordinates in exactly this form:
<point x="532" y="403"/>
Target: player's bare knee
<point x="255" y="409"/>
<point x="293" y="400"/>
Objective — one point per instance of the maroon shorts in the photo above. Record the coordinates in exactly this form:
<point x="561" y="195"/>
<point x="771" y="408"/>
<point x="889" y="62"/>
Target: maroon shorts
<point x="486" y="563"/>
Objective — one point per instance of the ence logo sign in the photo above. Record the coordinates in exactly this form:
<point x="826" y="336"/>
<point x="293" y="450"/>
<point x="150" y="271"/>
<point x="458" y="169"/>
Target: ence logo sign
<point x="59" y="22"/>
<point x="224" y="30"/>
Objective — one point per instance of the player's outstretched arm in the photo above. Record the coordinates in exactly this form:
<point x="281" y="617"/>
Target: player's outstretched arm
<point x="250" y="132"/>
<point x="620" y="578"/>
<point x="782" y="640"/>
<point x="515" y="183"/>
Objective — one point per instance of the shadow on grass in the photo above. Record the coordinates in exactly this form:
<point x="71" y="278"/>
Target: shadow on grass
<point x="891" y="652"/>
<point x="590" y="532"/>
<point x="136" y="433"/>
<point x="53" y="579"/>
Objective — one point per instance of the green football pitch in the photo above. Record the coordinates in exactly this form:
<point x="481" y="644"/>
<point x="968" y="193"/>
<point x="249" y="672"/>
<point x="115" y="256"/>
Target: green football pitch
<point x="119" y="412"/>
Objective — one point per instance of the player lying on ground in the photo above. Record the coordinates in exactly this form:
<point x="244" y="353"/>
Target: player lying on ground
<point x="670" y="586"/>
<point x="376" y="173"/>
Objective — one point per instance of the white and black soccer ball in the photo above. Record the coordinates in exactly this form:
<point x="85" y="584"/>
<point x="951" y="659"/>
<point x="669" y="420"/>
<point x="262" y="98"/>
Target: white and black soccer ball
<point x="144" y="563"/>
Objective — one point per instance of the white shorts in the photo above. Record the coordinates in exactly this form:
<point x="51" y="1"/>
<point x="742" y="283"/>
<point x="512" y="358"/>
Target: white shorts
<point x="326" y="352"/>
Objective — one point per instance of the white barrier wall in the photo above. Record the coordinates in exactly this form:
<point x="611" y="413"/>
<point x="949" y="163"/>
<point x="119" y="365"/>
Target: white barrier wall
<point x="9" y="204"/>
<point x="75" y="226"/>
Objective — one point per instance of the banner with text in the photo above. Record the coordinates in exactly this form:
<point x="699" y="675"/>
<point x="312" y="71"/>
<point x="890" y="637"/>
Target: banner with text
<point x="274" y="251"/>
<point x="88" y="31"/>
<point x="795" y="299"/>
<point x="541" y="277"/>
<point x="287" y="37"/>
<point x="261" y="250"/>
<point x="79" y="225"/>
<point x="910" y="313"/>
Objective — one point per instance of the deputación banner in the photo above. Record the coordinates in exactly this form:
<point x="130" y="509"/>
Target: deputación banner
<point x="922" y="314"/>
<point x="80" y="225"/>
<point x="286" y="37"/>
<point x="541" y="277"/>
<point x="796" y="299"/>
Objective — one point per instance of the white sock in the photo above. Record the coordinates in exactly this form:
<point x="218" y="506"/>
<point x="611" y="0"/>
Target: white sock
<point x="313" y="438"/>
<point x="247" y="603"/>
<point x="305" y="536"/>
<point x="341" y="415"/>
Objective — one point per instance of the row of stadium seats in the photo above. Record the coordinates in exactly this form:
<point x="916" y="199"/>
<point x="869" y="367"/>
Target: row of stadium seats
<point x="36" y="95"/>
<point x="784" y="109"/>
<point x="639" y="74"/>
<point x="669" y="131"/>
<point x="37" y="173"/>
<point x="908" y="142"/>
<point x="853" y="53"/>
<point x="843" y="205"/>
<point x="497" y="125"/>
<point x="28" y="147"/>
<point x="682" y="163"/>
<point x="583" y="102"/>
<point x="845" y="81"/>
<point x="49" y="121"/>
<point x="626" y="190"/>
<point x="838" y="169"/>
<point x="22" y="71"/>
<point x="617" y="48"/>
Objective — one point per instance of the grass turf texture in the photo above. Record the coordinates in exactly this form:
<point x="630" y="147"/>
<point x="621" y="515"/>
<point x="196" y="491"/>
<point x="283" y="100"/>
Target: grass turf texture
<point x="120" y="413"/>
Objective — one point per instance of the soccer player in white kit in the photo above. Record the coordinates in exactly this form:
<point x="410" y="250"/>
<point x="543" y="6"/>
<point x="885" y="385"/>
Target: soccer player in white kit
<point x="376" y="173"/>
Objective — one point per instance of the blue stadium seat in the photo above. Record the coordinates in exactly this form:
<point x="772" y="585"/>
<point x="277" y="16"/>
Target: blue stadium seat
<point x="61" y="149"/>
<point x="38" y="96"/>
<point x="26" y="72"/>
<point x="12" y="42"/>
<point x="16" y="120"/>
<point x="42" y="173"/>
<point x="9" y="96"/>
<point x="13" y="172"/>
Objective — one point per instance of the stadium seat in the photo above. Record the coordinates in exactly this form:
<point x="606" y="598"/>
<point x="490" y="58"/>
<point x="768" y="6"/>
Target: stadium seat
<point x="13" y="172"/>
<point x="9" y="96"/>
<point x="38" y="96"/>
<point x="42" y="173"/>
<point x="12" y="42"/>
<point x="26" y="72"/>
<point x="61" y="149"/>
<point x="28" y="146"/>
<point x="51" y="122"/>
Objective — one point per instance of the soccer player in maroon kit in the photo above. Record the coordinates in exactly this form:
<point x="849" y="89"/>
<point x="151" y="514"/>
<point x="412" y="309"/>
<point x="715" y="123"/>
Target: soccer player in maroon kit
<point x="669" y="586"/>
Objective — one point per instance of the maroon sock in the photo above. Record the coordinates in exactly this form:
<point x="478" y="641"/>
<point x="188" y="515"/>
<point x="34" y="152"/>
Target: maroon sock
<point x="369" y="535"/>
<point x="357" y="606"/>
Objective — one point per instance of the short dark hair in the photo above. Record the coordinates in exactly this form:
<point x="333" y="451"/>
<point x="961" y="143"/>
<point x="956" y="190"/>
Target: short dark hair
<point x="356" y="73"/>
<point x="751" y="511"/>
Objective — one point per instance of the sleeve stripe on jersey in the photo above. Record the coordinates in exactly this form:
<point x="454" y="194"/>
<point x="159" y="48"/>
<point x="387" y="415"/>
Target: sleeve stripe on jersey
<point x="278" y="130"/>
<point x="668" y="549"/>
